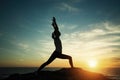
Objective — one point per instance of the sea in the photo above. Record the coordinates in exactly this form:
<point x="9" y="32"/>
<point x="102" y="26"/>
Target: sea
<point x="113" y="73"/>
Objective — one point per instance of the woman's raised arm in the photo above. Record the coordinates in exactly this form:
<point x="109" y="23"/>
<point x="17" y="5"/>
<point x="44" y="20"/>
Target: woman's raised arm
<point x="54" y="24"/>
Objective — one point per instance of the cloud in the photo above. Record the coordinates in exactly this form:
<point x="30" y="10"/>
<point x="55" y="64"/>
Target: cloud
<point x="24" y="46"/>
<point x="103" y="38"/>
<point x="46" y="45"/>
<point x="68" y="28"/>
<point x="115" y="59"/>
<point x="102" y="31"/>
<point x="67" y="7"/>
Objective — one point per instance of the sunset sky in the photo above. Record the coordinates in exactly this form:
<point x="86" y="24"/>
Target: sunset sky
<point x="90" y="31"/>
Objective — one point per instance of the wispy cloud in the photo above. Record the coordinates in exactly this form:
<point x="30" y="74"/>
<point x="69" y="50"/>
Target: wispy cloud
<point x="22" y="45"/>
<point x="68" y="27"/>
<point x="46" y="45"/>
<point x="102" y="39"/>
<point x="115" y="59"/>
<point x="67" y="7"/>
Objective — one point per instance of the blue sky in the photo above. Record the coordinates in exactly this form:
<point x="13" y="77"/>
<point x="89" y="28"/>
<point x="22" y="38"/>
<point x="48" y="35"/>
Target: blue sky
<point x="90" y="30"/>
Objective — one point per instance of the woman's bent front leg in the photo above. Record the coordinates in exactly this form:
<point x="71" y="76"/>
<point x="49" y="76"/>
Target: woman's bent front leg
<point x="63" y="56"/>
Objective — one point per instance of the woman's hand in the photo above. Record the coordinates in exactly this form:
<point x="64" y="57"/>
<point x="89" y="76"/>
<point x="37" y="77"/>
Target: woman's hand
<point x="54" y="20"/>
<point x="54" y="24"/>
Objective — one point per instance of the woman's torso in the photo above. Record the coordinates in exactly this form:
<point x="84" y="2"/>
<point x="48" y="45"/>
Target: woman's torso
<point x="57" y="41"/>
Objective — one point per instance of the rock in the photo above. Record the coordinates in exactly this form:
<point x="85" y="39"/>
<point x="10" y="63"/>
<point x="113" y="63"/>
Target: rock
<point x="62" y="74"/>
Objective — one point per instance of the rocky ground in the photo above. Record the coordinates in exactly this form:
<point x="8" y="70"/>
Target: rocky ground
<point x="63" y="74"/>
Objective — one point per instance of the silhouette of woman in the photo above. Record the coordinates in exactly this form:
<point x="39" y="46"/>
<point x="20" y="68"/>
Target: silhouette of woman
<point x="58" y="51"/>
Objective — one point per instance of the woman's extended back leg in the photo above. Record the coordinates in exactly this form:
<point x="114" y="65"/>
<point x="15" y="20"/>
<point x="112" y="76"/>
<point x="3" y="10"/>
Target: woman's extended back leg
<point x="52" y="57"/>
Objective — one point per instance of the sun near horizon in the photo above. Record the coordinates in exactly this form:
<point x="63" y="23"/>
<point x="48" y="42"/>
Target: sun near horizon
<point x="92" y="63"/>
